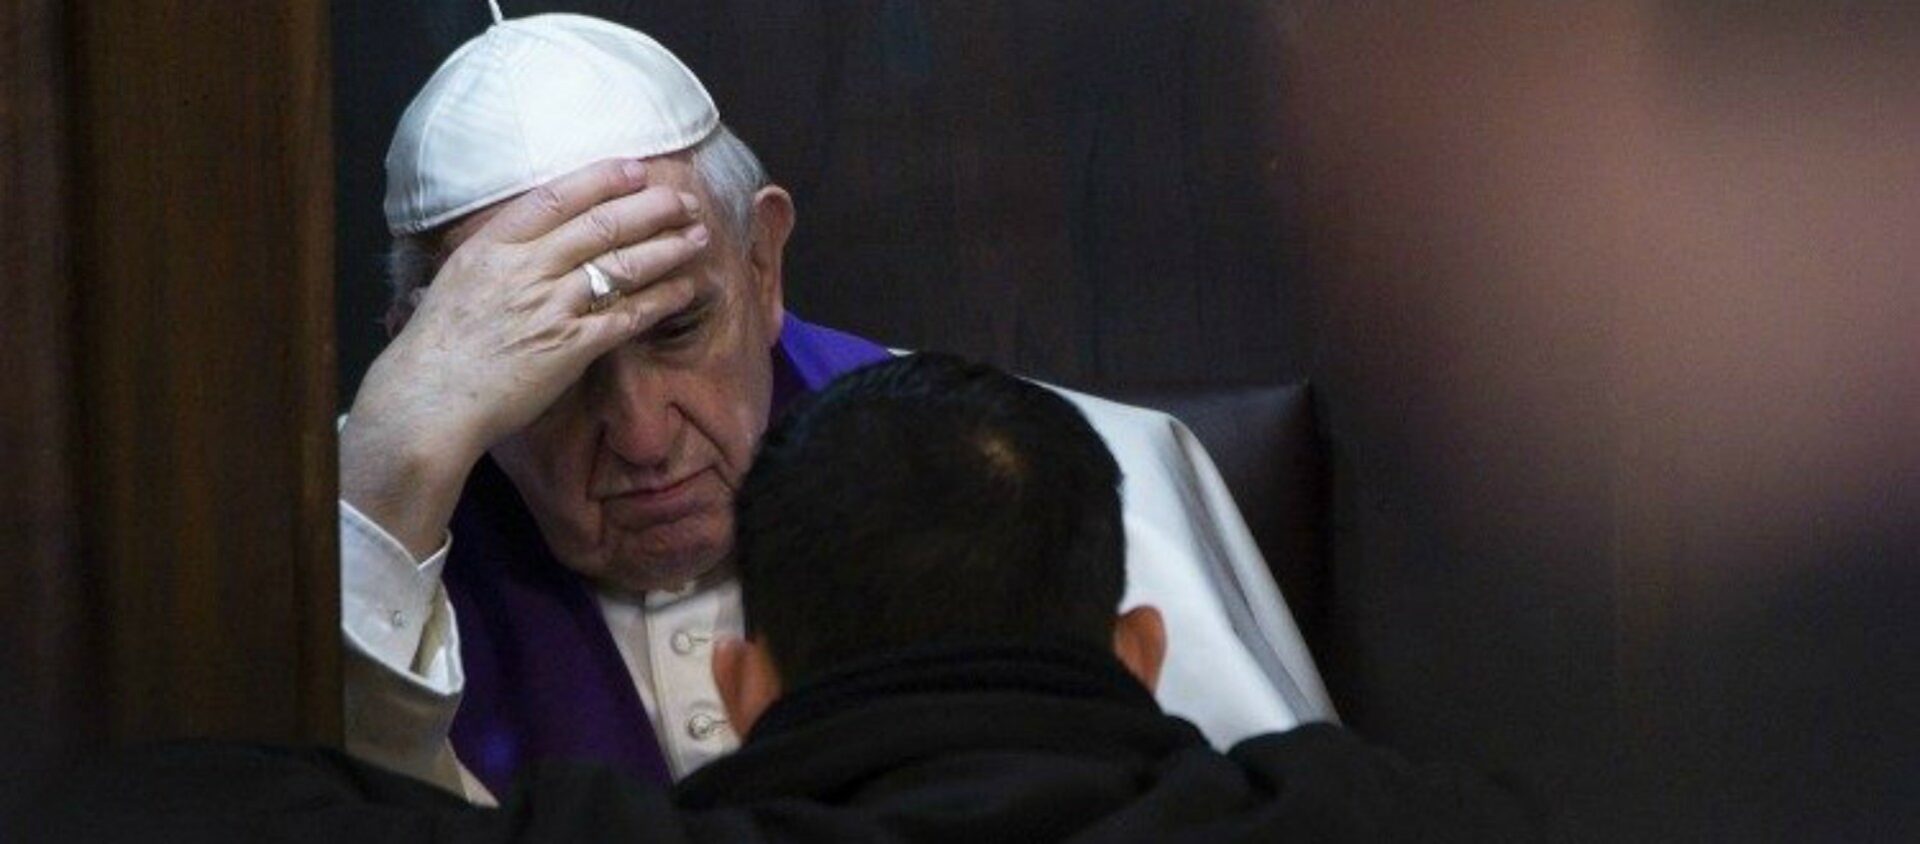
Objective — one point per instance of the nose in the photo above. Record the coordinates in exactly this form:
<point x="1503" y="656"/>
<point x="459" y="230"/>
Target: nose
<point x="637" y="418"/>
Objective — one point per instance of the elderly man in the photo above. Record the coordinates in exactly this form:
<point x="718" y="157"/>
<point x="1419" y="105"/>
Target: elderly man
<point x="537" y="473"/>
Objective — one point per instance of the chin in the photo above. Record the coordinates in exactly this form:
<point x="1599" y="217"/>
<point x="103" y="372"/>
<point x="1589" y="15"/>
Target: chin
<point x="666" y="556"/>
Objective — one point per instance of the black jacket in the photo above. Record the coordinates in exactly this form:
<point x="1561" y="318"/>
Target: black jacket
<point x="966" y="745"/>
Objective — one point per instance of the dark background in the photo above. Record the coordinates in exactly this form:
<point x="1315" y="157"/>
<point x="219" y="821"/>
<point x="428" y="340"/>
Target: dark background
<point x="1610" y="311"/>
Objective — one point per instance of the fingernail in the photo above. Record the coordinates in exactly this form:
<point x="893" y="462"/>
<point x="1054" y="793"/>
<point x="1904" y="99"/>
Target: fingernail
<point x="634" y="170"/>
<point x="690" y="202"/>
<point x="698" y="234"/>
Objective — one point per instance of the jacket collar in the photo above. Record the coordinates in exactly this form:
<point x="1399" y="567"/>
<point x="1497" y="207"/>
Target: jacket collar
<point x="878" y="715"/>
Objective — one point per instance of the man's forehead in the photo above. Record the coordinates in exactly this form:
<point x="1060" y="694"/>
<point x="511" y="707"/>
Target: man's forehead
<point x="675" y="171"/>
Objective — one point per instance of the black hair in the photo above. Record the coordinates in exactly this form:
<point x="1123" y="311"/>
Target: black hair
<point x="923" y="500"/>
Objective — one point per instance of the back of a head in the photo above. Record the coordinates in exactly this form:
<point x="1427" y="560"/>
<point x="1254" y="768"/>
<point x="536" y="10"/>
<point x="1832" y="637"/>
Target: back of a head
<point x="927" y="500"/>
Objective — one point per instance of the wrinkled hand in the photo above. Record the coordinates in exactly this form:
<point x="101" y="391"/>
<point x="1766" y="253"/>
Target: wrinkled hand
<point x="507" y="325"/>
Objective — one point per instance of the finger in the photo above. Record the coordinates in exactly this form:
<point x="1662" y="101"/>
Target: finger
<point x="612" y="225"/>
<point x="635" y="267"/>
<point x="549" y="206"/>
<point x="631" y="316"/>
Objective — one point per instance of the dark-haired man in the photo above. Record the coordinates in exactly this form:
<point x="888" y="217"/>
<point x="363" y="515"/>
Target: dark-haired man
<point x="933" y="654"/>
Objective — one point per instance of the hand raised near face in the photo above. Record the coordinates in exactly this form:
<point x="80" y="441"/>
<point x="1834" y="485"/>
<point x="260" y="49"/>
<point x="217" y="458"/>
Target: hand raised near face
<point x="508" y="323"/>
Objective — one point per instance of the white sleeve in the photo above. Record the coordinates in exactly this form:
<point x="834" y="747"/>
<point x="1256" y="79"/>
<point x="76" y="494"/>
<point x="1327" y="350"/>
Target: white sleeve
<point x="1236" y="663"/>
<point x="403" y="677"/>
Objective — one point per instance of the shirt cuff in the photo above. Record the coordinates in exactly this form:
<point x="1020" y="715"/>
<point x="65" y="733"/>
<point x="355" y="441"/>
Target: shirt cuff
<point x="387" y="599"/>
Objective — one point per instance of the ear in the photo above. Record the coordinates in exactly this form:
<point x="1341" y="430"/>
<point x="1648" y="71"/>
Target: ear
<point x="743" y="672"/>
<point x="400" y="312"/>
<point x="773" y="219"/>
<point x="1140" y="641"/>
<point x="438" y="243"/>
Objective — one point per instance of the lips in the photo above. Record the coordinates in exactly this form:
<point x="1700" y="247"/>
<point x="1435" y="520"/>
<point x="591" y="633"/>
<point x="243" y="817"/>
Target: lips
<point x="660" y="504"/>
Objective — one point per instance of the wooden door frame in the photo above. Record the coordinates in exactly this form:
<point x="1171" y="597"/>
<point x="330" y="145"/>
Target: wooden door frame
<point x="168" y="328"/>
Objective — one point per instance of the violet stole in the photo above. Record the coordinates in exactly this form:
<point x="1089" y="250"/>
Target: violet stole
<point x="544" y="680"/>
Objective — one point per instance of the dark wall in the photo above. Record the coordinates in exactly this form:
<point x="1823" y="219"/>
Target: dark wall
<point x="1616" y="352"/>
<point x="1076" y="190"/>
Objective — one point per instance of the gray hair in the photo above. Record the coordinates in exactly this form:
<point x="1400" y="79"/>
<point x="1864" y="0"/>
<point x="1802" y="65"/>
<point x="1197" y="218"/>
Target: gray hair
<point x="730" y="170"/>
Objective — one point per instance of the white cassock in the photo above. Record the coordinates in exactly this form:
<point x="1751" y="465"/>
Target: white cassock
<point x="1236" y="664"/>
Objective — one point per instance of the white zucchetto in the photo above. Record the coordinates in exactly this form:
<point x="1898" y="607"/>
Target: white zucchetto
<point x="529" y="100"/>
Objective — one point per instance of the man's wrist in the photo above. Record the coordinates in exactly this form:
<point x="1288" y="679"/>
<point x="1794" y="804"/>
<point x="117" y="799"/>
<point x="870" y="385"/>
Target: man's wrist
<point x="403" y="475"/>
<point x="402" y="411"/>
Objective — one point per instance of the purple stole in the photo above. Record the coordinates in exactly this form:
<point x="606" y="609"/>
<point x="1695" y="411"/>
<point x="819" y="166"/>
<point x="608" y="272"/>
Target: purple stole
<point x="544" y="678"/>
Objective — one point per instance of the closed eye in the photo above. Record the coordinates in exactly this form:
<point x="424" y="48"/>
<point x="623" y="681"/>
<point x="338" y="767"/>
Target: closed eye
<point x="678" y="328"/>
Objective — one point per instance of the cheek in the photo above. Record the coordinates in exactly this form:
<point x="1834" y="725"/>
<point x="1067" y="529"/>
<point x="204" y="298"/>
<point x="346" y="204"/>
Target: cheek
<point x="552" y="460"/>
<point x="735" y="392"/>
<point x="738" y="419"/>
<point x="749" y="424"/>
<point x="755" y="402"/>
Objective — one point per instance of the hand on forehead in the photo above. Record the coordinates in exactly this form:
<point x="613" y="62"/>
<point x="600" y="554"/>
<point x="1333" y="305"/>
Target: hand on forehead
<point x="612" y="213"/>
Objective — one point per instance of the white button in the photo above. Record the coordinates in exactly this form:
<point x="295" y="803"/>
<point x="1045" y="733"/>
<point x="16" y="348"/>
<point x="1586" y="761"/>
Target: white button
<point x="702" y="726"/>
<point x="684" y="642"/>
<point x="398" y="618"/>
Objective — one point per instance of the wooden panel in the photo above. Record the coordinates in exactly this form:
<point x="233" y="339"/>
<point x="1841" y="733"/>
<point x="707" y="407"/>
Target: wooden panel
<point x="46" y="669"/>
<point x="202" y="246"/>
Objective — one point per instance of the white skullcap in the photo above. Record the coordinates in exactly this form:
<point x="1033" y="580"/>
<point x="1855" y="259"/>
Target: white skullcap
<point x="531" y="99"/>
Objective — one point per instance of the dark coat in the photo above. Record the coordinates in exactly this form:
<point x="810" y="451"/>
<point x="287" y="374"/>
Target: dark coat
<point x="973" y="745"/>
